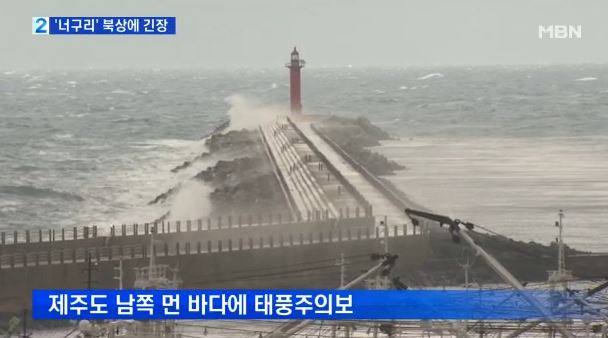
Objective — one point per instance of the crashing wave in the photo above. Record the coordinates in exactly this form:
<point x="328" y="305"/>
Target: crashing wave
<point x="430" y="76"/>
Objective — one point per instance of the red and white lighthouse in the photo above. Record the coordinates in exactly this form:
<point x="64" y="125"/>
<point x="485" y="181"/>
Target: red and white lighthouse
<point x="295" y="91"/>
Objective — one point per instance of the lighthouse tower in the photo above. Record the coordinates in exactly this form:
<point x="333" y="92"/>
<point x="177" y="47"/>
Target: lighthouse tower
<point x="295" y="91"/>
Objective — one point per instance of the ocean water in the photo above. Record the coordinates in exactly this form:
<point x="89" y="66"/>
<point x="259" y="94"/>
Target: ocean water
<point x="505" y="147"/>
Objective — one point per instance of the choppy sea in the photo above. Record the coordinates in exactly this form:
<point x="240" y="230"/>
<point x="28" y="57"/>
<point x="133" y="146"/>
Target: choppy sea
<point x="505" y="147"/>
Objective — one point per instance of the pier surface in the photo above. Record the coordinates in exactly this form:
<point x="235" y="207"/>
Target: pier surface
<point x="380" y="203"/>
<point x="311" y="168"/>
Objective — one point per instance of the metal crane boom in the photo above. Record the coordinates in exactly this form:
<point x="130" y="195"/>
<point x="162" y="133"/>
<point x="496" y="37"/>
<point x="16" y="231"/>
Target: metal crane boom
<point x="491" y="261"/>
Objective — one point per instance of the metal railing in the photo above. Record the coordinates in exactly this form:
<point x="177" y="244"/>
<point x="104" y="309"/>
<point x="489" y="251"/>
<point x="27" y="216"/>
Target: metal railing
<point x="165" y="227"/>
<point x="184" y="247"/>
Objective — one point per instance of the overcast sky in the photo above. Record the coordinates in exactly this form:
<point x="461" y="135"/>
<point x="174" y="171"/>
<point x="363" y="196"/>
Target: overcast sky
<point x="329" y="33"/>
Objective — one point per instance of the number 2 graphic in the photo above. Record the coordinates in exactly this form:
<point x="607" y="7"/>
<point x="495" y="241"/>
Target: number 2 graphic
<point x="40" y="26"/>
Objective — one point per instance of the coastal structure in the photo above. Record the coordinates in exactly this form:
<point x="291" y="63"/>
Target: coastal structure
<point x="336" y="208"/>
<point x="295" y="88"/>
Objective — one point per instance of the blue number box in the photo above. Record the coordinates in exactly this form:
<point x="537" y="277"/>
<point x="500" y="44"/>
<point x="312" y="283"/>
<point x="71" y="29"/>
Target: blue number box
<point x="101" y="25"/>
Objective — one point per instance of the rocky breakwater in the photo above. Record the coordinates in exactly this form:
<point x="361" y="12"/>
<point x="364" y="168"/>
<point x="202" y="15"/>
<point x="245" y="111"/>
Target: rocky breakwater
<point x="355" y="136"/>
<point x="245" y="184"/>
<point x="240" y="182"/>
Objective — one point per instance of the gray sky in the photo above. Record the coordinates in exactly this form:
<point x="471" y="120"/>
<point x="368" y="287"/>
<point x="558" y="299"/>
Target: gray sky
<point x="329" y="33"/>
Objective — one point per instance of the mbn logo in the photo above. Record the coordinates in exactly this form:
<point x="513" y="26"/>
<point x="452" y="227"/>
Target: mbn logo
<point x="560" y="32"/>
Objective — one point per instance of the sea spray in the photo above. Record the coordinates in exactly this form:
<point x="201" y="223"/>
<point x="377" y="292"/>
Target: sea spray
<point x="191" y="202"/>
<point x="248" y="112"/>
<point x="190" y="197"/>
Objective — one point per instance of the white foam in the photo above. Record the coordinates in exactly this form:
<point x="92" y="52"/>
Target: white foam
<point x="590" y="78"/>
<point x="173" y="143"/>
<point x="248" y="113"/>
<point x="122" y="92"/>
<point x="430" y="76"/>
<point x="63" y="136"/>
<point x="191" y="201"/>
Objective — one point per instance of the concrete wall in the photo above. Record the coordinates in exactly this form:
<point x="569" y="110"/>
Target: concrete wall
<point x="76" y="233"/>
<point x="287" y="266"/>
<point x="170" y="232"/>
<point x="243" y="238"/>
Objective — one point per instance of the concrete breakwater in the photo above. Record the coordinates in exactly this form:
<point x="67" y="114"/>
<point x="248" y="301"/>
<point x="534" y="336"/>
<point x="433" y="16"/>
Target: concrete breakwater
<point x="225" y="257"/>
<point x="260" y="242"/>
<point x="170" y="237"/>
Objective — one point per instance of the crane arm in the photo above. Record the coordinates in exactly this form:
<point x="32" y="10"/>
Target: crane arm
<point x="492" y="262"/>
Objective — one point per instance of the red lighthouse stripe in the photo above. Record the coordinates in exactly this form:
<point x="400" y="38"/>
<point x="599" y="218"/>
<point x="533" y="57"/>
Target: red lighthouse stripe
<point x="294" y="81"/>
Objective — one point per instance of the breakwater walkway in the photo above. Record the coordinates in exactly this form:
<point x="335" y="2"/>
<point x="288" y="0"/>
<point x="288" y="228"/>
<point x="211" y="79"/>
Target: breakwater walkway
<point x="379" y="198"/>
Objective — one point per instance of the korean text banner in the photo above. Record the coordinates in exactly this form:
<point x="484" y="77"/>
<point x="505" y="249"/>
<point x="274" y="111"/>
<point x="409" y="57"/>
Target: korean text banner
<point x="296" y="304"/>
<point x="123" y="25"/>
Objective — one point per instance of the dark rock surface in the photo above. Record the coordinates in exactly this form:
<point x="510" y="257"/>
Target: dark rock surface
<point x="234" y="139"/>
<point x="529" y="262"/>
<point x="242" y="185"/>
<point x="355" y="136"/>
